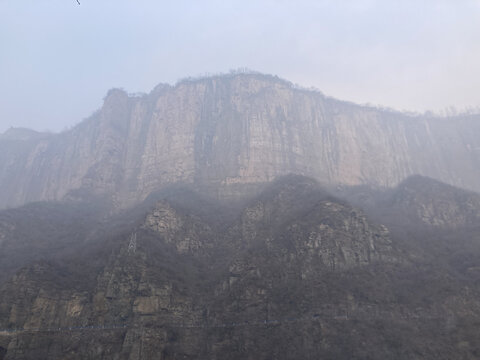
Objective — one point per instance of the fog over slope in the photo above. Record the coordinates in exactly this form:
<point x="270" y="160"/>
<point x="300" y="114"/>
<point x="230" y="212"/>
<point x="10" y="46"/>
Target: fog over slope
<point x="292" y="273"/>
<point x="226" y="132"/>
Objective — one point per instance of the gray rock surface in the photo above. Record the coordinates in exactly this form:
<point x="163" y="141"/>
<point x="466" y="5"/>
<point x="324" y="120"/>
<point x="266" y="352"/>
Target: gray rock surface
<point x="224" y="133"/>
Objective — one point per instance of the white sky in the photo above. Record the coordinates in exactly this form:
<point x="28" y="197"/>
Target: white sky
<point x="58" y="59"/>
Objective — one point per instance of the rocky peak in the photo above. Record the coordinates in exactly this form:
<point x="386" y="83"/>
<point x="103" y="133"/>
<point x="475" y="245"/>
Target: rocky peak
<point x="115" y="94"/>
<point x="159" y="89"/>
<point x="295" y="215"/>
<point x="435" y="203"/>
<point x="187" y="232"/>
<point x="164" y="220"/>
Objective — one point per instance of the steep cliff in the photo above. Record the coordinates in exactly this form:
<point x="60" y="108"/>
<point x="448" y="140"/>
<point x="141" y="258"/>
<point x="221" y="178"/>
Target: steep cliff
<point x="226" y="132"/>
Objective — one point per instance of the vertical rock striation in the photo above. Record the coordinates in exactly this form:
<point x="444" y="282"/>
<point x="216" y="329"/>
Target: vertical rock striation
<point x="226" y="132"/>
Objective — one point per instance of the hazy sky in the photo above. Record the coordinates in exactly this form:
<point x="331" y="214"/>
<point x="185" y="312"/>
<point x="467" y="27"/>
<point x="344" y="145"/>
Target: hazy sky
<point x="58" y="58"/>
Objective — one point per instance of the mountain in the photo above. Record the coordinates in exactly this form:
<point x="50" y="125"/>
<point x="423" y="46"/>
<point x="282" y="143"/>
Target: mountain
<point x="434" y="203"/>
<point x="434" y="221"/>
<point x="226" y="135"/>
<point x="181" y="224"/>
<point x="292" y="272"/>
<point x="418" y="200"/>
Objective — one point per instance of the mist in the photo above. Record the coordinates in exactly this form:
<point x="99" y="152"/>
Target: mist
<point x="239" y="180"/>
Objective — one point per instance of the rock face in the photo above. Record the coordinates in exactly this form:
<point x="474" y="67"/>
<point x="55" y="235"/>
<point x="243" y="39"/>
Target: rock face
<point x="324" y="232"/>
<point x="188" y="233"/>
<point x="295" y="273"/>
<point x="420" y="201"/>
<point x="225" y="133"/>
<point x="436" y="204"/>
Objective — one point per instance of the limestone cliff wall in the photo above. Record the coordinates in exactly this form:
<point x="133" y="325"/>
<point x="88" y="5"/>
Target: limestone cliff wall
<point x="234" y="130"/>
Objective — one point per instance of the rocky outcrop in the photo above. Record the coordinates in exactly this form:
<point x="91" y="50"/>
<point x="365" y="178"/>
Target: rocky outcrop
<point x="429" y="202"/>
<point x="187" y="232"/>
<point x="297" y="273"/>
<point x="324" y="233"/>
<point x="224" y="133"/>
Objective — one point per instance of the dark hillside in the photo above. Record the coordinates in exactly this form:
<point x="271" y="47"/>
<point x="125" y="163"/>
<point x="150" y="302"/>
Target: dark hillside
<point x="294" y="273"/>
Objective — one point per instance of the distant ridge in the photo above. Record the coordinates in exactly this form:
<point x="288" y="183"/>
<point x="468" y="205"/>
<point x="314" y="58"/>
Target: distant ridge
<point x="20" y="133"/>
